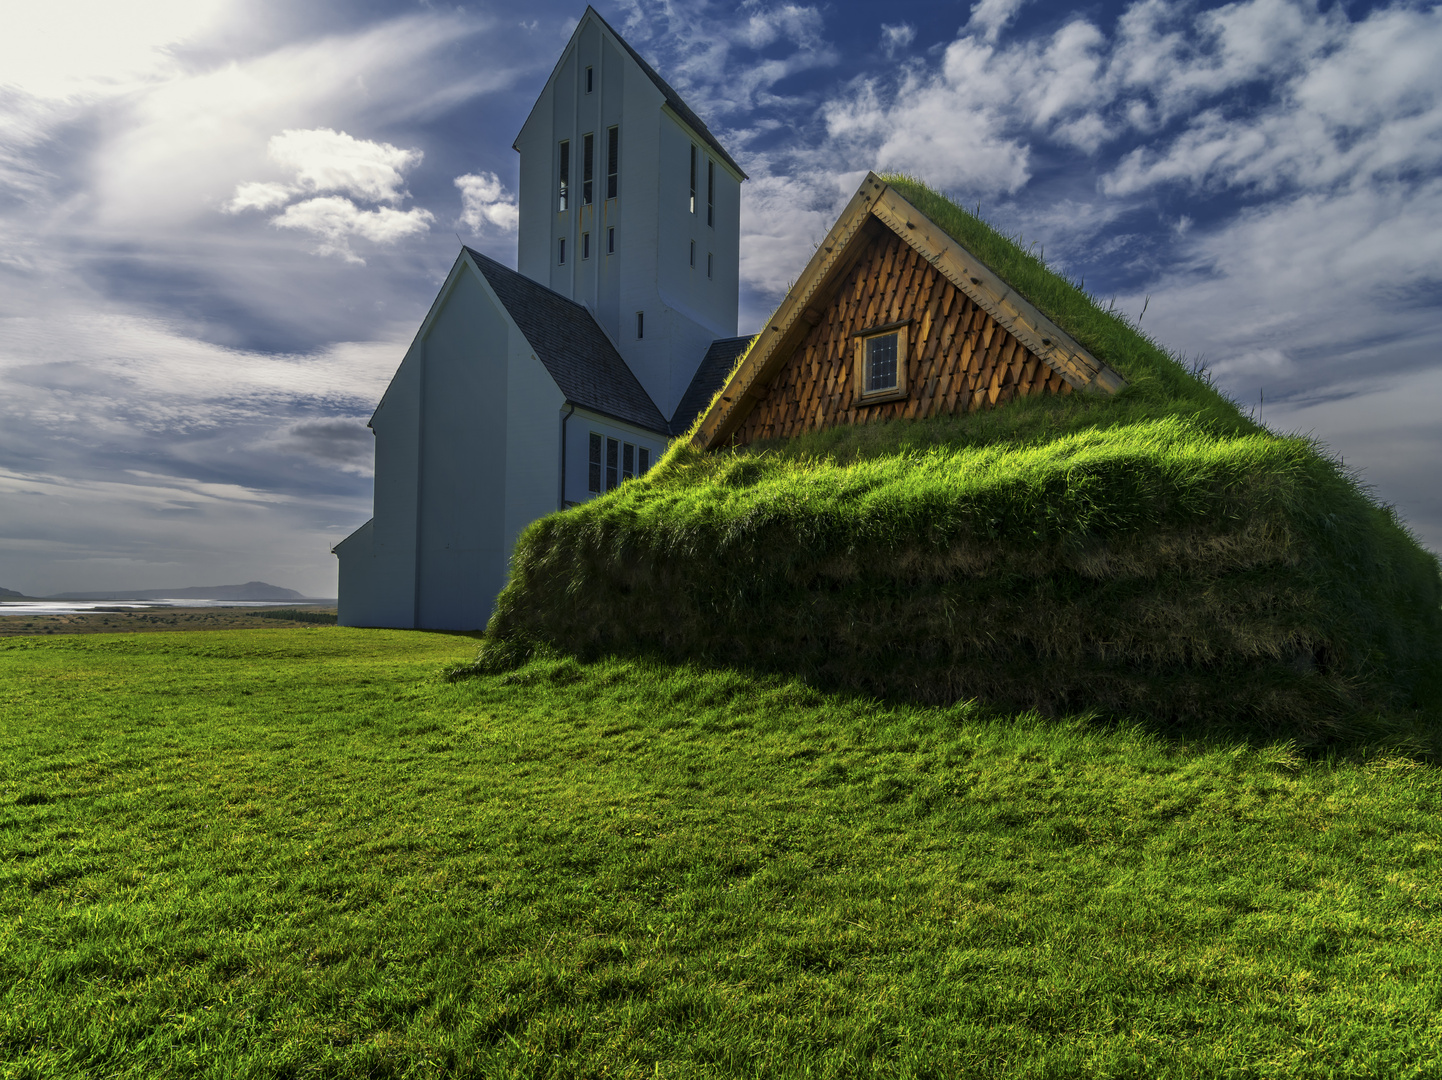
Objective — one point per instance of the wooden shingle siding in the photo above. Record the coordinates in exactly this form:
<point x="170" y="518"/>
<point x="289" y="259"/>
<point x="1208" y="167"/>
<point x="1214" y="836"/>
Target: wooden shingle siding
<point x="959" y="358"/>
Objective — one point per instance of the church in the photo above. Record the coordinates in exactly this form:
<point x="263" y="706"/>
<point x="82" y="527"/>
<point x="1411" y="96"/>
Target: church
<point x="526" y="391"/>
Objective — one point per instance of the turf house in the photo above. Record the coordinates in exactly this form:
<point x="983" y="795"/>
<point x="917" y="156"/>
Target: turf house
<point x="942" y="471"/>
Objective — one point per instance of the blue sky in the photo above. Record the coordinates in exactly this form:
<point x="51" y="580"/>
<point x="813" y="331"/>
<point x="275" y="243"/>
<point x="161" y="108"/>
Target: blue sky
<point x="221" y="223"/>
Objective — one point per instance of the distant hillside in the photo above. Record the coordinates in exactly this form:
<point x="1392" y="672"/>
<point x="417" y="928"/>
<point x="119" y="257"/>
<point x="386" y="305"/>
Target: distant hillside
<point x="11" y="594"/>
<point x="251" y="590"/>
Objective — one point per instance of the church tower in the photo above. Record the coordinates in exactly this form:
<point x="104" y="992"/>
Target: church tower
<point x="630" y="206"/>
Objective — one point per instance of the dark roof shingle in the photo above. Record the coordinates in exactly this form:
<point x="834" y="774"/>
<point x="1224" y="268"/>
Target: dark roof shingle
<point x="720" y="358"/>
<point x="577" y="354"/>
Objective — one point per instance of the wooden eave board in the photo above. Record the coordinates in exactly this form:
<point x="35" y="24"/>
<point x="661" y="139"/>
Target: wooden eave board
<point x="789" y="326"/>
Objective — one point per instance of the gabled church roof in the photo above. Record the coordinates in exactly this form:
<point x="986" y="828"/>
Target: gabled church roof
<point x="878" y="204"/>
<point x="720" y="358"/>
<point x="579" y="357"/>
<point x="673" y="99"/>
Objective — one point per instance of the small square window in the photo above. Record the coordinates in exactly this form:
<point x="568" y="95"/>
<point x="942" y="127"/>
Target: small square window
<point x="585" y="245"/>
<point x="881" y="363"/>
<point x="590" y="80"/>
<point x="611" y="240"/>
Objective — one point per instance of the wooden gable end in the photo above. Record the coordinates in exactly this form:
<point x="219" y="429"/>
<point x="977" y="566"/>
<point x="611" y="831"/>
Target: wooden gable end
<point x="959" y="358"/>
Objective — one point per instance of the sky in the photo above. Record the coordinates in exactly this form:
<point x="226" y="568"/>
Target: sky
<point x="221" y="223"/>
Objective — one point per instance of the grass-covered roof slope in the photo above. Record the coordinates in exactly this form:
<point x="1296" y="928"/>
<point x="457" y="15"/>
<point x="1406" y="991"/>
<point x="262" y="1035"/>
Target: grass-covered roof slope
<point x="1151" y="552"/>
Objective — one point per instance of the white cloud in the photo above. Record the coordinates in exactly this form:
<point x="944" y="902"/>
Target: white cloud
<point x="485" y="201"/>
<point x="259" y="195"/>
<point x="335" y="220"/>
<point x="895" y="38"/>
<point x="991" y="16"/>
<point x="327" y="160"/>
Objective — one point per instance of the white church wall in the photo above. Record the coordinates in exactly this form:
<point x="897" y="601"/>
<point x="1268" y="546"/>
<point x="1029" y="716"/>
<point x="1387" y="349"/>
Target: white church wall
<point x="579" y="428"/>
<point x="533" y="445"/>
<point x="461" y="536"/>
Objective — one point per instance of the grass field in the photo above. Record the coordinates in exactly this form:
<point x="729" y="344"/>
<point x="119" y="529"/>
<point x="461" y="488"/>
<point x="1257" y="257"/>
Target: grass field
<point x="302" y="852"/>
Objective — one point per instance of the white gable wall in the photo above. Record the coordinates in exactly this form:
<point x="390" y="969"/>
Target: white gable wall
<point x="650" y="270"/>
<point x="467" y="454"/>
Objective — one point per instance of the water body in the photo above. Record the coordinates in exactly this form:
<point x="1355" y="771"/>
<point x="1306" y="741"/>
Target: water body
<point x="79" y="607"/>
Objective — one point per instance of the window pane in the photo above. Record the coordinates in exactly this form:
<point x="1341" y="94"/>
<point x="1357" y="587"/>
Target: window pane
<point x="565" y="195"/>
<point x="562" y="247"/>
<point x="613" y="155"/>
<point x="588" y="168"/>
<point x="640" y="324"/>
<point x="595" y="461"/>
<point x="643" y="459"/>
<point x="628" y="462"/>
<point x="611" y="240"/>
<point x="590" y="80"/>
<point x="881" y="362"/>
<point x="693" y="254"/>
<point x="585" y="245"/>
<point x="612" y="446"/>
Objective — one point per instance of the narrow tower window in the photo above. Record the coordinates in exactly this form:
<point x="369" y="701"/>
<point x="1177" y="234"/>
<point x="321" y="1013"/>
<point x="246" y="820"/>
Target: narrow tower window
<point x="585" y="245"/>
<point x="710" y="264"/>
<point x="693" y="254"/>
<point x="710" y="193"/>
<point x="588" y="164"/>
<point x="613" y="157"/>
<point x="610" y="239"/>
<point x="562" y="252"/>
<point x="590" y="79"/>
<point x="640" y="324"/>
<point x="565" y="199"/>
<point x="693" y="178"/>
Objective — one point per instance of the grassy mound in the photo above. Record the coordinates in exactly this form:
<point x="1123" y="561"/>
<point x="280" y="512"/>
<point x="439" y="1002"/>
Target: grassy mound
<point x="1155" y="552"/>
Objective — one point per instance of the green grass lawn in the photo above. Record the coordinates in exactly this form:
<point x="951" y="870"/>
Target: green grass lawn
<point x="301" y="852"/>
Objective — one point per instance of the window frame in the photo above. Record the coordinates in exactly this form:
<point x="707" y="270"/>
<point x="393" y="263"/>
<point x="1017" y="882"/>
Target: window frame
<point x="588" y="168"/>
<point x="862" y="396"/>
<point x="613" y="159"/>
<point x="564" y="169"/>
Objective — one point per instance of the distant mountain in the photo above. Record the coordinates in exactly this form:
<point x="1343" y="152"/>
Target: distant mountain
<point x="251" y="590"/>
<point x="11" y="594"/>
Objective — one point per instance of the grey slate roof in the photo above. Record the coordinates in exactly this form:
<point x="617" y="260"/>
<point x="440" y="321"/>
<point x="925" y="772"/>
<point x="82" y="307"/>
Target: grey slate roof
<point x="579" y="357"/>
<point x="673" y="99"/>
<point x="720" y="358"/>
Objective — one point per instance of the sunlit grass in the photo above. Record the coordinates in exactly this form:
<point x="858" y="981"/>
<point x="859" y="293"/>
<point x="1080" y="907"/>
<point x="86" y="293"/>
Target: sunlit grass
<point x="303" y="853"/>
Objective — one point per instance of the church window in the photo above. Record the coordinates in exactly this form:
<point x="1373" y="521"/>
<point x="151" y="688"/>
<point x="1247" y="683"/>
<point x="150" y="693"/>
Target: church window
<point x="693" y="254"/>
<point x="693" y="178"/>
<point x="562" y="250"/>
<point x="585" y="245"/>
<point x="613" y="157"/>
<point x="594" y="473"/>
<point x="628" y="461"/>
<point x="643" y="459"/>
<point x="590" y="79"/>
<point x="710" y="193"/>
<point x="881" y="363"/>
<point x="565" y="192"/>
<point x="640" y="324"/>
<point x="588" y="168"/>
<point x="710" y="264"/>
<point x="610" y="239"/>
<point x="612" y="446"/>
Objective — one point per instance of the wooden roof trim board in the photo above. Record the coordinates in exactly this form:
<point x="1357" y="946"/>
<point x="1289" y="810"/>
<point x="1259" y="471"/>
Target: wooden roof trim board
<point x="798" y="312"/>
